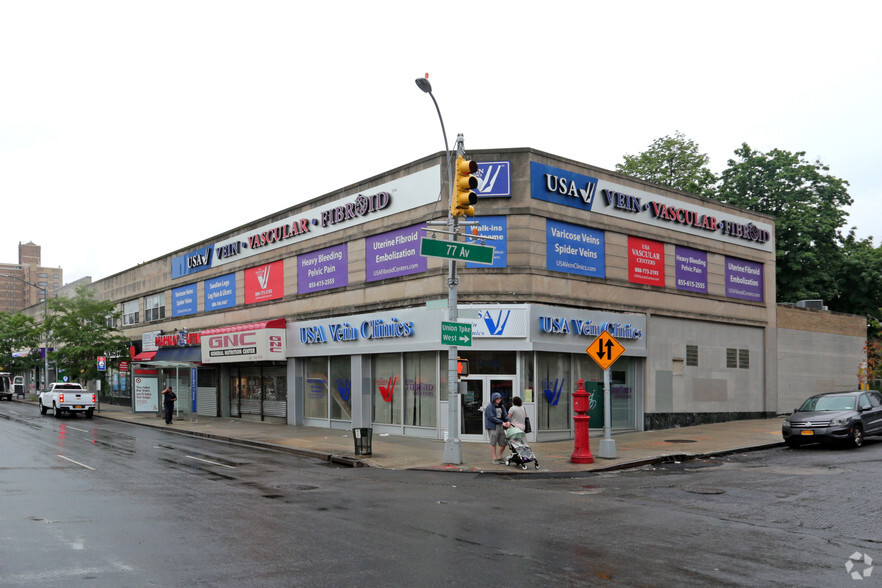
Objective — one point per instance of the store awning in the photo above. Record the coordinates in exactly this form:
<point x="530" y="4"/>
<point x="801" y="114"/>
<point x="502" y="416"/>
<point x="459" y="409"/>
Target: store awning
<point x="273" y="324"/>
<point x="144" y="356"/>
<point x="179" y="354"/>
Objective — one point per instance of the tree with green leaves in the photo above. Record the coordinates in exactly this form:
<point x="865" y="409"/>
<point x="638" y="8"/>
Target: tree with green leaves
<point x="857" y="277"/>
<point x="672" y="161"/>
<point x="19" y="343"/>
<point x="80" y="332"/>
<point x="809" y="209"/>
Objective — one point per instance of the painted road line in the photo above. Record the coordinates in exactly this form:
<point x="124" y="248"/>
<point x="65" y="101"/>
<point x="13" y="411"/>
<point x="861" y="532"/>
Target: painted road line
<point x="212" y="462"/>
<point x="76" y="462"/>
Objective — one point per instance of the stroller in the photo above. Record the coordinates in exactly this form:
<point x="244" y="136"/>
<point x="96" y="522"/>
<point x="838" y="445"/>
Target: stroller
<point x="521" y="454"/>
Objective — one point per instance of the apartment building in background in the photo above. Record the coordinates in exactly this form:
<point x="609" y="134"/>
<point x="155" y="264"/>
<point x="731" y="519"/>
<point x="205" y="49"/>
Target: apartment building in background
<point x="15" y="292"/>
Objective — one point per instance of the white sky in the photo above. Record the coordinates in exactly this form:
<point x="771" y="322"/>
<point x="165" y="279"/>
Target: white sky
<point x="129" y="130"/>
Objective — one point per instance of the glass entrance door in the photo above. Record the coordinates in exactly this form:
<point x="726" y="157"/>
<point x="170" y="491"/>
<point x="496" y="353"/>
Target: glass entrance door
<point x="479" y="390"/>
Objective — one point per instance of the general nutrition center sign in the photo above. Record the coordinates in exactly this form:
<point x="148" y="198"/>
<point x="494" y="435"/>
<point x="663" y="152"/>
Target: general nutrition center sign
<point x="263" y="341"/>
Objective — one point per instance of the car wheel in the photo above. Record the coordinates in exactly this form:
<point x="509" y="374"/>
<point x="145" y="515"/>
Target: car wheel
<point x="792" y="444"/>
<point x="42" y="409"/>
<point x="55" y="411"/>
<point x="88" y="414"/>
<point x="856" y="438"/>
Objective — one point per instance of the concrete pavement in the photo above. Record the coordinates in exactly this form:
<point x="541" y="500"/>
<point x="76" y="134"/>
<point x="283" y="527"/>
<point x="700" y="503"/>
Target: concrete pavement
<point x="633" y="449"/>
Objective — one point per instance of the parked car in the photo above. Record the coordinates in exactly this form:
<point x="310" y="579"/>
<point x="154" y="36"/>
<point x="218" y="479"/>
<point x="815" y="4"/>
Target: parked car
<point x="5" y="387"/>
<point x="835" y="416"/>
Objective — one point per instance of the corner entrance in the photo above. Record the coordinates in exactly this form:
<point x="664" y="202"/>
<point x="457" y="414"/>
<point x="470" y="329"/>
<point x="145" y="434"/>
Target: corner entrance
<point x="479" y="390"/>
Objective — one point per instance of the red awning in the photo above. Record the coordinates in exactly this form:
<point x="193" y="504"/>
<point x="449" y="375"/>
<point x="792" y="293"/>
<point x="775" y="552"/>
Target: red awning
<point x="144" y="356"/>
<point x="273" y="324"/>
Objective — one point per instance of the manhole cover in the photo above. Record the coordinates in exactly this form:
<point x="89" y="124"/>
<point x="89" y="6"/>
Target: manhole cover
<point x="679" y="440"/>
<point x="704" y="490"/>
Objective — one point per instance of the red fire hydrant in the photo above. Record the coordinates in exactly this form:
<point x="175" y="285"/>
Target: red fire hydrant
<point x="581" y="405"/>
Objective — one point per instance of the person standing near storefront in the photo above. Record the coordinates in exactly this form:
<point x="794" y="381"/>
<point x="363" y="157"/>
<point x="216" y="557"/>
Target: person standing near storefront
<point x="517" y="414"/>
<point x="168" y="403"/>
<point x="496" y="421"/>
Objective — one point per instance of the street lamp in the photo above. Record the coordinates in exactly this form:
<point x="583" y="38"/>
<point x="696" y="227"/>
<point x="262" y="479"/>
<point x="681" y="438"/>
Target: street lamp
<point x="45" y="329"/>
<point x="452" y="446"/>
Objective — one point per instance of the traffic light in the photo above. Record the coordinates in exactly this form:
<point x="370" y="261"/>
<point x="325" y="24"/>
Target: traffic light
<point x="462" y="367"/>
<point x="464" y="183"/>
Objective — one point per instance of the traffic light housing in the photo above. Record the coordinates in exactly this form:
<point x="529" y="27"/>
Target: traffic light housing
<point x="462" y="367"/>
<point x="464" y="183"/>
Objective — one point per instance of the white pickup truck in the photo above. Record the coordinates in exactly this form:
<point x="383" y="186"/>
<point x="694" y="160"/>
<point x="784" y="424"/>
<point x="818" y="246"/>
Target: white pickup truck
<point x="64" y="397"/>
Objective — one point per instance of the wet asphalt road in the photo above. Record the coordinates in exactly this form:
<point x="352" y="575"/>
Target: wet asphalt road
<point x="103" y="503"/>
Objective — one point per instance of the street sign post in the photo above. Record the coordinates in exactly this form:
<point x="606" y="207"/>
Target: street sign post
<point x="605" y="350"/>
<point x="454" y="250"/>
<point x="453" y="333"/>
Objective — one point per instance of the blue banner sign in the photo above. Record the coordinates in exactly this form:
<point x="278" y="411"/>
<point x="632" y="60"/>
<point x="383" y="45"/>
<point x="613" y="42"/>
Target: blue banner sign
<point x="220" y="292"/>
<point x="562" y="187"/>
<point x="574" y="249"/>
<point x="492" y="226"/>
<point x="192" y="262"/>
<point x="184" y="300"/>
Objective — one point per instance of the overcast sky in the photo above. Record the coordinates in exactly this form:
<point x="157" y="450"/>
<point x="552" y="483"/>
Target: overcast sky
<point x="129" y="130"/>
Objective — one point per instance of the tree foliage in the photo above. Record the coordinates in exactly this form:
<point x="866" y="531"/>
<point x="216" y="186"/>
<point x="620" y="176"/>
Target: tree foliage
<point x="19" y="335"/>
<point x="808" y="206"/>
<point x="672" y="161"/>
<point x="80" y="333"/>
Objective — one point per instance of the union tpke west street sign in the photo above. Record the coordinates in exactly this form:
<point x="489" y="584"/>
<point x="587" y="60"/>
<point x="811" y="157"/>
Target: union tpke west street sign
<point x="454" y="250"/>
<point x="453" y="333"/>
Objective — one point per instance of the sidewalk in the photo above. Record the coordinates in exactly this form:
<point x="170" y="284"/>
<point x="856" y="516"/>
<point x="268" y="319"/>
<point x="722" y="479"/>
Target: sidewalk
<point x="399" y="453"/>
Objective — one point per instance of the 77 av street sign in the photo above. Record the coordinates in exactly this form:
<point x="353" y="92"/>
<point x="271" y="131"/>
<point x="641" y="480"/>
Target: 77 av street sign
<point x="455" y="250"/>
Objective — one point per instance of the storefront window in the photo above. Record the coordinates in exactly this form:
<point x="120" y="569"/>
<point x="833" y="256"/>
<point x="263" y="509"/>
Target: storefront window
<point x="316" y="400"/>
<point x="275" y="391"/>
<point x="250" y="390"/>
<point x="553" y="390"/>
<point x="387" y="389"/>
<point x="528" y="392"/>
<point x="420" y="389"/>
<point x="491" y="362"/>
<point x="341" y="388"/>
<point x="623" y="401"/>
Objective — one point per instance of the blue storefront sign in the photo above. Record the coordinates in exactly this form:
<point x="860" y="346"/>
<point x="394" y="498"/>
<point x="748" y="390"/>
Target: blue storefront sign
<point x="220" y="292"/>
<point x="184" y="300"/>
<point x="492" y="226"/>
<point x="561" y="186"/>
<point x="494" y="179"/>
<point x="192" y="262"/>
<point x="574" y="249"/>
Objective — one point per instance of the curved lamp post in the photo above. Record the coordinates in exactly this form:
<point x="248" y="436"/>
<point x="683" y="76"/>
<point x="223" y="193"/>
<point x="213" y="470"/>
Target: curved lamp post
<point x="45" y="330"/>
<point x="452" y="445"/>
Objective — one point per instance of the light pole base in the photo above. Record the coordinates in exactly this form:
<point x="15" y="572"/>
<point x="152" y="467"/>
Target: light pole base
<point x="452" y="451"/>
<point x="607" y="449"/>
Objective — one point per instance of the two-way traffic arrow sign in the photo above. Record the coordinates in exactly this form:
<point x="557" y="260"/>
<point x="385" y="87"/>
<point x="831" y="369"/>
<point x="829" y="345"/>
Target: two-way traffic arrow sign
<point x="605" y="350"/>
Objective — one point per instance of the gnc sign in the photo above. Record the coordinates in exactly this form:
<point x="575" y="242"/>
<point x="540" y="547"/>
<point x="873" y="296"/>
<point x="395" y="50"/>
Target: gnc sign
<point x="252" y="342"/>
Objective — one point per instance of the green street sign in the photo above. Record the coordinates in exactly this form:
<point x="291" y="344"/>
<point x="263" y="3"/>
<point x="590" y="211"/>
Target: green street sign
<point x="453" y="333"/>
<point x="455" y="250"/>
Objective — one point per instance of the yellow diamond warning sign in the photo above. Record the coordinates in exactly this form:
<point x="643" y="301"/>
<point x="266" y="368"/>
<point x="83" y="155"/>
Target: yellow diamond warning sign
<point x="605" y="350"/>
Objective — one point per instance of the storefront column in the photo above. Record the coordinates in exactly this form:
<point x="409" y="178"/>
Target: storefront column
<point x="361" y="391"/>
<point x="296" y="390"/>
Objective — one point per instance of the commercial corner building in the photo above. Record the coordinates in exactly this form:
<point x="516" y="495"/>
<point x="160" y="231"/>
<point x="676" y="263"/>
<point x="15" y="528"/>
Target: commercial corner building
<point x="326" y="314"/>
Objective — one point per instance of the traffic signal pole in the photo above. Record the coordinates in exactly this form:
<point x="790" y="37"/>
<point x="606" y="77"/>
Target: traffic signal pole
<point x="452" y="445"/>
